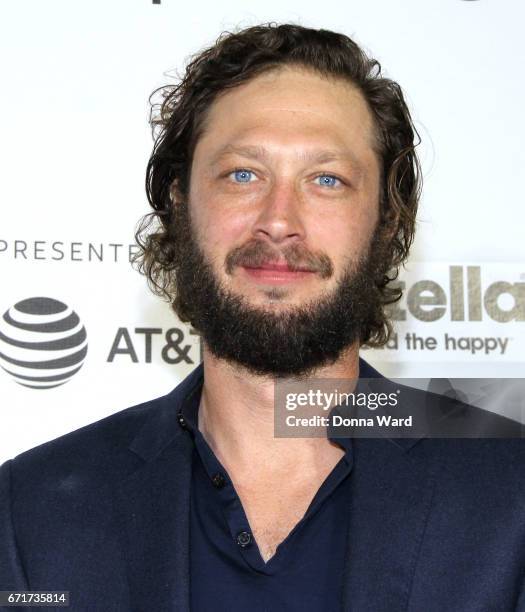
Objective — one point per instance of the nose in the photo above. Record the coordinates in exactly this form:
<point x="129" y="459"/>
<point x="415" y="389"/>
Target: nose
<point x="279" y="220"/>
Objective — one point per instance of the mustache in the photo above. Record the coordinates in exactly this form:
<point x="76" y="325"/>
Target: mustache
<point x="256" y="253"/>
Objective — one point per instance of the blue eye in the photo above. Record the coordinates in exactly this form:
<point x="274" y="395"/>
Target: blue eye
<point x="242" y="176"/>
<point x="327" y="180"/>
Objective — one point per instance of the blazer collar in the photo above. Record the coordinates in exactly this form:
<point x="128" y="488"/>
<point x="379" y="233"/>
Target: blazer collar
<point x="163" y="427"/>
<point x="152" y="507"/>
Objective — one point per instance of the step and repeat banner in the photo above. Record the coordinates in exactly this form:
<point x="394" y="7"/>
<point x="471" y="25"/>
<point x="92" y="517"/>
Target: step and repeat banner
<point x="74" y="112"/>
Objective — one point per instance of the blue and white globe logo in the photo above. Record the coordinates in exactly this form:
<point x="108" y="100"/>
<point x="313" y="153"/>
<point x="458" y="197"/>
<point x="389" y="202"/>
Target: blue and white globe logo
<point x="43" y="343"/>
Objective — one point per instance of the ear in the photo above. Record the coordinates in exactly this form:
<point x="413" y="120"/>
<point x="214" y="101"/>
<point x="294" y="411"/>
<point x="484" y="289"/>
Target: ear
<point x="175" y="194"/>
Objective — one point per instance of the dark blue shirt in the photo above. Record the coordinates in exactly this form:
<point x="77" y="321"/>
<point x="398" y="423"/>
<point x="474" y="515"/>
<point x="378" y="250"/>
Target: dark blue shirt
<point x="227" y="572"/>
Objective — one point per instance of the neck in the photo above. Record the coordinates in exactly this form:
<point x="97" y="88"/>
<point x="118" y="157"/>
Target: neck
<point x="236" y="417"/>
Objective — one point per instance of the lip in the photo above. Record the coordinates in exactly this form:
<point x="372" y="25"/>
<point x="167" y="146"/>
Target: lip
<point x="276" y="273"/>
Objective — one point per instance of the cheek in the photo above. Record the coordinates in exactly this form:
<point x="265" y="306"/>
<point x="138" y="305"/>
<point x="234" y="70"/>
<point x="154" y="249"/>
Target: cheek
<point x="219" y="228"/>
<point x="366" y="223"/>
<point x="346" y="236"/>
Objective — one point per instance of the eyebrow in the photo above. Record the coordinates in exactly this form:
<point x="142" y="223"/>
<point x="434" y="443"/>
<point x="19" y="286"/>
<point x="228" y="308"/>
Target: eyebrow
<point x="258" y="152"/>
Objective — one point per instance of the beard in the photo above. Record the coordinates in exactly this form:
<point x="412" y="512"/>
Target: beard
<point x="294" y="342"/>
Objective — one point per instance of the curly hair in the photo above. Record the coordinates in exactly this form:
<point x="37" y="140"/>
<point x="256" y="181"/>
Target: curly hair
<point x="235" y="58"/>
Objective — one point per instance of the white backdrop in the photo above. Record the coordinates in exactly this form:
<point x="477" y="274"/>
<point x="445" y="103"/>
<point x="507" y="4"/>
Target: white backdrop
<point x="75" y="141"/>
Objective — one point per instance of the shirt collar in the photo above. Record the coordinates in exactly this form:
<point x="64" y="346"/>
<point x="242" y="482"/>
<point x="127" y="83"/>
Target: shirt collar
<point x="190" y="417"/>
<point x="190" y="406"/>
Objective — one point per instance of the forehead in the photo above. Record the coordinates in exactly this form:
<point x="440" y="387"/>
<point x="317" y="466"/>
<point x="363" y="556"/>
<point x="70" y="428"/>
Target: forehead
<point x="294" y="106"/>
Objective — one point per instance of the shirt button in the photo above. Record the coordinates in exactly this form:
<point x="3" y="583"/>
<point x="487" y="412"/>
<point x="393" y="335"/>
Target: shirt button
<point x="244" y="539"/>
<point x="181" y="420"/>
<point x="218" y="480"/>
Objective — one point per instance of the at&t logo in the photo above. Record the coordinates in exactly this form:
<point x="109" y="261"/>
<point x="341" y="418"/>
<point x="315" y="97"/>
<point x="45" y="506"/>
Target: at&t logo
<point x="42" y="343"/>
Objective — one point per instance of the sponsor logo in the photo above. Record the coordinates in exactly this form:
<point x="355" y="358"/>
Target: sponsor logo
<point x="43" y="343"/>
<point x="173" y="348"/>
<point x="467" y="299"/>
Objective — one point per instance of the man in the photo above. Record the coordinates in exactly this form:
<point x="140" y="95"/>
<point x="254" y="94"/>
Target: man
<point x="285" y="187"/>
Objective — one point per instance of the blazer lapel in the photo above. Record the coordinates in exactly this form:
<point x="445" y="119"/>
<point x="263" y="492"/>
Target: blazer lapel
<point x="153" y="507"/>
<point x="390" y="501"/>
<point x="392" y="485"/>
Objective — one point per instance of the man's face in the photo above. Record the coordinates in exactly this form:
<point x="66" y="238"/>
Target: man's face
<point x="286" y="161"/>
<point x="283" y="203"/>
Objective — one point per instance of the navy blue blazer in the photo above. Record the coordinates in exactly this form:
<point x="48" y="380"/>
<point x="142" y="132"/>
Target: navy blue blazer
<point x="436" y="525"/>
